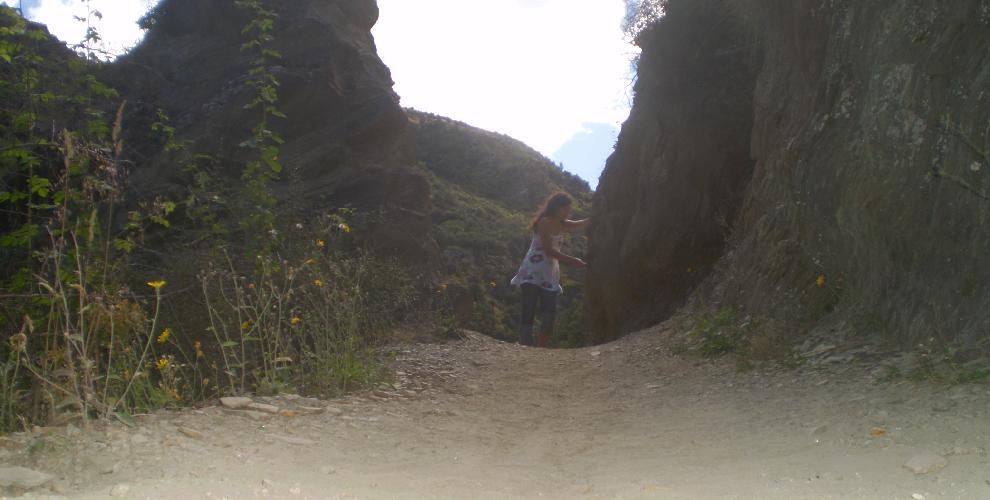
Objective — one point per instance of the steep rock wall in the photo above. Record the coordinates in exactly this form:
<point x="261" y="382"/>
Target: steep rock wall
<point x="346" y="141"/>
<point x="867" y="212"/>
<point x="674" y="185"/>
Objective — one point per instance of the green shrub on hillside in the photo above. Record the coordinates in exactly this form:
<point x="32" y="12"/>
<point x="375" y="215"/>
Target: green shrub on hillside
<point x="486" y="188"/>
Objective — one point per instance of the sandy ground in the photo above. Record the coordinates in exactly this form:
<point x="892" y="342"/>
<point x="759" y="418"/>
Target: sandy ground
<point x="483" y="419"/>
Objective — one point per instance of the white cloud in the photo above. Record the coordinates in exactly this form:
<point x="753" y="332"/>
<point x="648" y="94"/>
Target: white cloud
<point x="118" y="28"/>
<point x="534" y="69"/>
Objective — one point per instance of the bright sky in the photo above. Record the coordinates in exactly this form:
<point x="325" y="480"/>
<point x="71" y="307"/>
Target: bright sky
<point x="543" y="71"/>
<point x="118" y="28"/>
<point x="537" y="70"/>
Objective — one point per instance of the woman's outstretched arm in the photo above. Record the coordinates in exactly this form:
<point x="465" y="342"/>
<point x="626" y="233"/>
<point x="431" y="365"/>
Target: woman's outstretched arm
<point x="546" y="237"/>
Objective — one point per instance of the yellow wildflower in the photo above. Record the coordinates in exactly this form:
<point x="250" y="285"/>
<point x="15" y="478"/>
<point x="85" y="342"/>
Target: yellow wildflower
<point x="157" y="285"/>
<point x="198" y="346"/>
<point x="320" y="243"/>
<point x="295" y="320"/>
<point x="18" y="342"/>
<point x="162" y="364"/>
<point x="245" y="325"/>
<point x="344" y="227"/>
<point x="126" y="375"/>
<point x="820" y="281"/>
<point x="166" y="333"/>
<point x="318" y="282"/>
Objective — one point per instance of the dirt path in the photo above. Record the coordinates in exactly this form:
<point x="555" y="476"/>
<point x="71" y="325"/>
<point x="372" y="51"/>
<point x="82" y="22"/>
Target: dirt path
<point x="483" y="419"/>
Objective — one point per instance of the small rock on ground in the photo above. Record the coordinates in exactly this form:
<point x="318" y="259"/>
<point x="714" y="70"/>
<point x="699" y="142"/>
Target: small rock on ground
<point x="191" y="433"/>
<point x="254" y="415"/>
<point x="235" y="402"/>
<point x="120" y="490"/>
<point x="23" y="478"/>
<point x="262" y="407"/>
<point x="925" y="463"/>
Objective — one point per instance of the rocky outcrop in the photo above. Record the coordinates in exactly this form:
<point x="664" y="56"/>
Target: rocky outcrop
<point x="675" y="183"/>
<point x="866" y="210"/>
<point x="346" y="142"/>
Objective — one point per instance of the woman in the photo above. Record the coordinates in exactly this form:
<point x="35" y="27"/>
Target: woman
<point x="539" y="274"/>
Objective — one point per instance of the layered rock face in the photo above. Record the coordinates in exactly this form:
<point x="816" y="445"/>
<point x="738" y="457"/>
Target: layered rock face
<point x="866" y="209"/>
<point x="346" y="139"/>
<point x="676" y="180"/>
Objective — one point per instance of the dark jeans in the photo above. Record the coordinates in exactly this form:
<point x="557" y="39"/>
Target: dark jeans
<point x="532" y="296"/>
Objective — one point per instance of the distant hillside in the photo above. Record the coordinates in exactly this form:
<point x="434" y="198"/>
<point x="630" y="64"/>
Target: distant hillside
<point x="492" y="165"/>
<point x="486" y="187"/>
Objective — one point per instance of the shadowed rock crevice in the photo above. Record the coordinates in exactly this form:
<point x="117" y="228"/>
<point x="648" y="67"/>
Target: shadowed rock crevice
<point x="672" y="190"/>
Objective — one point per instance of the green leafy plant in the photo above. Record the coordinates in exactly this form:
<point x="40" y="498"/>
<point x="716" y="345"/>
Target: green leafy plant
<point x="942" y="364"/>
<point x="719" y="333"/>
<point x="258" y="216"/>
<point x="307" y="320"/>
<point x="79" y="325"/>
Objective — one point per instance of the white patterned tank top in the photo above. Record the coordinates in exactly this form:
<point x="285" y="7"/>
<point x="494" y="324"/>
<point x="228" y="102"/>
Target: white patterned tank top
<point x="538" y="268"/>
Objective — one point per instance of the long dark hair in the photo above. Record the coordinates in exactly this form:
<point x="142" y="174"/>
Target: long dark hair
<point x="554" y="202"/>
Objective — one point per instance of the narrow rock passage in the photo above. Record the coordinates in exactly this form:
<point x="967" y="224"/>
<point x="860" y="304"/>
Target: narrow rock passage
<point x="482" y="419"/>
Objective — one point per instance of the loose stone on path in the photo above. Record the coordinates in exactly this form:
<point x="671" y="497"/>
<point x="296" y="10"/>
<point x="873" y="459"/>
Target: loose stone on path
<point x="925" y="463"/>
<point x="236" y="403"/>
<point x="190" y="433"/>
<point x="262" y="407"/>
<point x="23" y="478"/>
<point x="120" y="490"/>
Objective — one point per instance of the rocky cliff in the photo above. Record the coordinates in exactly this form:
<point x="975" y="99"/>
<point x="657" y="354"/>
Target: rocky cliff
<point x="346" y="142"/>
<point x="818" y="164"/>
